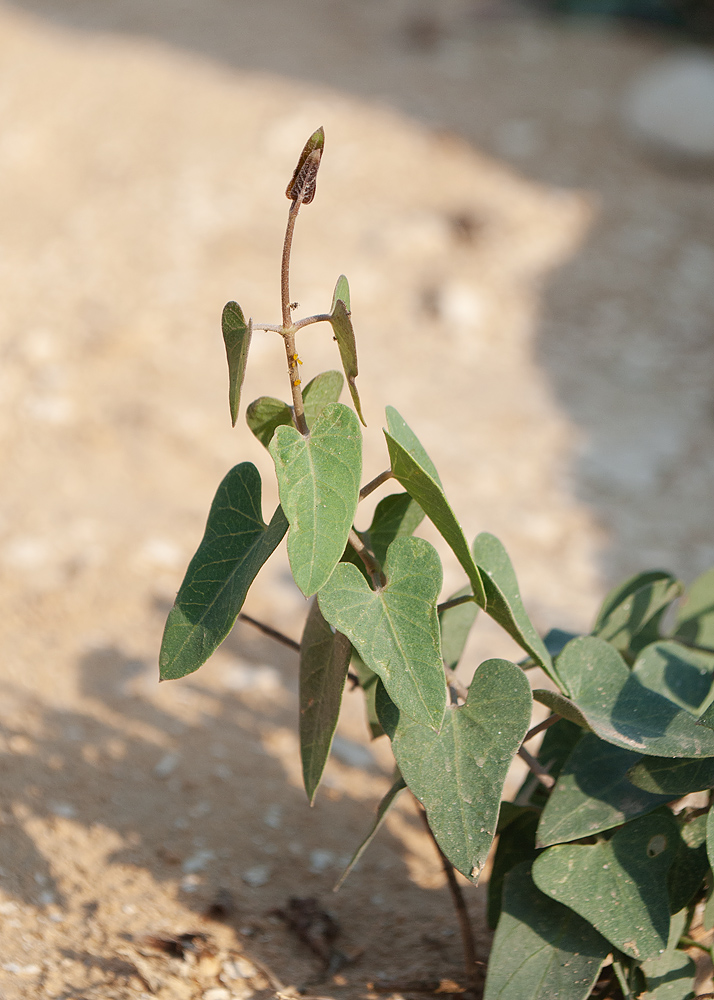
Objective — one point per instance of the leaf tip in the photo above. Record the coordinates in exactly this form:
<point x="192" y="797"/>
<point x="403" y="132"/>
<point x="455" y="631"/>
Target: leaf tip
<point x="302" y="183"/>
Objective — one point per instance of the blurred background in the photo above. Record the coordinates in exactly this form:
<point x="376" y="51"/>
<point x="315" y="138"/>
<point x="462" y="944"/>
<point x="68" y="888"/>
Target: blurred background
<point x="522" y="197"/>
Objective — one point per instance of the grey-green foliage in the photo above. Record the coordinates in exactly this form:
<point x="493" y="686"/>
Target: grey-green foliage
<point x="595" y="853"/>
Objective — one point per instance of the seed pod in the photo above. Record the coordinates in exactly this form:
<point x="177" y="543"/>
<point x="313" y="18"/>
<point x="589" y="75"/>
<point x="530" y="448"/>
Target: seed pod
<point x="302" y="182"/>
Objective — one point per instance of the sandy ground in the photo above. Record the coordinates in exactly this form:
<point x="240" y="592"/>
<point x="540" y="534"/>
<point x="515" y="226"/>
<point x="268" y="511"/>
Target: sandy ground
<point x="533" y="295"/>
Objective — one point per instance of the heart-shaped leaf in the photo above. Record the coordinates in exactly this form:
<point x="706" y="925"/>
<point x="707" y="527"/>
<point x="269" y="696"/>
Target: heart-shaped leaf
<point x="593" y="794"/>
<point x="395" y="629"/>
<point x="318" y="481"/>
<point x="324" y="659"/>
<point x="236" y="337"/>
<point x="345" y="337"/>
<point x="503" y="598"/>
<point x="413" y="468"/>
<point x="394" y="515"/>
<point x="609" y="699"/>
<point x="630" y="617"/>
<point x="618" y="885"/>
<point x="235" y="545"/>
<point x="695" y="621"/>
<point x="383" y="808"/>
<point x="673" y="777"/>
<point x="542" y="950"/>
<point x="458" y="773"/>
<point x="680" y="674"/>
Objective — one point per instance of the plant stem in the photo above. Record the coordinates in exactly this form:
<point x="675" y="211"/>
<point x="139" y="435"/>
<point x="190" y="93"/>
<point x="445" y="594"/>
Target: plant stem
<point x="537" y="769"/>
<point x="687" y="942"/>
<point x="309" y="320"/>
<point x="270" y="327"/>
<point x="288" y="330"/>
<point x="454" y="602"/>
<point x="545" y="724"/>
<point x="272" y="632"/>
<point x="370" y="563"/>
<point x="457" y="897"/>
<point x="374" y="483"/>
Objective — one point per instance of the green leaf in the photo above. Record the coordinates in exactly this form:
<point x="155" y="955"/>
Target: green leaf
<point x="323" y="389"/>
<point x="695" y="621"/>
<point x="455" y="625"/>
<point x="383" y="808"/>
<point x="395" y="629"/>
<point x="265" y="415"/>
<point x="318" y="481"/>
<point x="458" y="773"/>
<point x="609" y="699"/>
<point x="235" y="545"/>
<point x="629" y="975"/>
<point x="395" y="515"/>
<point x="670" y="976"/>
<point x="593" y="794"/>
<point x="630" y="617"/>
<point x="368" y="681"/>
<point x="541" y="950"/>
<point x="673" y="778"/>
<point x="558" y="743"/>
<point x="690" y="864"/>
<point x="618" y="885"/>
<point x="680" y="674"/>
<point x="236" y="337"/>
<point x="503" y="599"/>
<point x="345" y="337"/>
<point x="516" y="843"/>
<point x="413" y="468"/>
<point x="324" y="659"/>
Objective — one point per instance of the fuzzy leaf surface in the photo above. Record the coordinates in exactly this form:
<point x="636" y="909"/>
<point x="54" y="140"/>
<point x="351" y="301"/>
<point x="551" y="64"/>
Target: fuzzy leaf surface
<point x="413" y="468"/>
<point x="673" y="777"/>
<point x="235" y="545"/>
<point x="690" y="864"/>
<point x="503" y="598"/>
<point x="592" y="793"/>
<point x="542" y="950"/>
<point x="695" y="621"/>
<point x="455" y="625"/>
<point x="631" y="614"/>
<point x="383" y="808"/>
<point x="323" y="389"/>
<point x="236" y="337"/>
<point x="265" y="414"/>
<point x="395" y="630"/>
<point x="680" y="674"/>
<point x="318" y="481"/>
<point x="618" y="885"/>
<point x="340" y="318"/>
<point x="612" y="702"/>
<point x="670" y="976"/>
<point x="324" y="659"/>
<point x="458" y="773"/>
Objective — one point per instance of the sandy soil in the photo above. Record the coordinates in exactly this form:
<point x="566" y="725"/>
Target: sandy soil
<point x="532" y="294"/>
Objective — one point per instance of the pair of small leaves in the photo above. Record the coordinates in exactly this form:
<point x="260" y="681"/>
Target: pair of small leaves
<point x="318" y="482"/>
<point x="606" y="697"/>
<point x="618" y="885"/>
<point x="631" y="613"/>
<point x="458" y="773"/>
<point x="235" y="545"/>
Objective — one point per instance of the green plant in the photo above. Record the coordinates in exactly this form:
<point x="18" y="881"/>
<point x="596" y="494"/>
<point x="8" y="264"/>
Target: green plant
<point x="598" y="855"/>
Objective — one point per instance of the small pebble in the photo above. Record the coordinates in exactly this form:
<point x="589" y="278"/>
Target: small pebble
<point x="257" y="876"/>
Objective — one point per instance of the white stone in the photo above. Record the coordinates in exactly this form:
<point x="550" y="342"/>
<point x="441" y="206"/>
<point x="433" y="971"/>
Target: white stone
<point x="670" y="106"/>
<point x="257" y="876"/>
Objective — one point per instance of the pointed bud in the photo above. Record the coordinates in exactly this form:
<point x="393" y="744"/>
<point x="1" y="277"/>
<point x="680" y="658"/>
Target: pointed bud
<point x="302" y="183"/>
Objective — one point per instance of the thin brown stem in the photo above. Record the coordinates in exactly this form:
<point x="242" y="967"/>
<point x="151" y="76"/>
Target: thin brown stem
<point x="269" y="327"/>
<point x="373" y="484"/>
<point x="272" y="632"/>
<point x="545" y="724"/>
<point x="288" y="330"/>
<point x="462" y="913"/>
<point x="537" y="769"/>
<point x="370" y="563"/>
